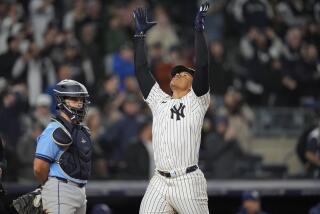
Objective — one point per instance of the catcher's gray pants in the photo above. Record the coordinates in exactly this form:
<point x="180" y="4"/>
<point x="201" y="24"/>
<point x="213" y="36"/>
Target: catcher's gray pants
<point x="63" y="198"/>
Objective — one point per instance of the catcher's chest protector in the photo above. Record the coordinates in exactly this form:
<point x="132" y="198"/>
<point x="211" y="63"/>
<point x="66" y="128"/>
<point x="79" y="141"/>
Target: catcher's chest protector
<point x="76" y="159"/>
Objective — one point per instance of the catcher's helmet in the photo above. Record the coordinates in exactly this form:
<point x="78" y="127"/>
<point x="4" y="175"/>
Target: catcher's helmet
<point x="71" y="88"/>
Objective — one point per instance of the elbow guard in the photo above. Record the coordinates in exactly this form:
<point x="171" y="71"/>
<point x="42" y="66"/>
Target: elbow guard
<point x="62" y="137"/>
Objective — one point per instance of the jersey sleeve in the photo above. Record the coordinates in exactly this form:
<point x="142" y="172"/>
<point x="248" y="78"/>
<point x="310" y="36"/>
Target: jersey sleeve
<point x="201" y="102"/>
<point x="200" y="84"/>
<point x="142" y="70"/>
<point x="155" y="97"/>
<point x="47" y="149"/>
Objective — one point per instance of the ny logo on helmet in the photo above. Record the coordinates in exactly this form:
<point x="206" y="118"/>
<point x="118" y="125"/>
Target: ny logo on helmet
<point x="179" y="112"/>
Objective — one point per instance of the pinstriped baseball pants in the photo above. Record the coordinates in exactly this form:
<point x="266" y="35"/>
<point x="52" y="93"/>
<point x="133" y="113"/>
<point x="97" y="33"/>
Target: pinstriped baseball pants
<point x="185" y="194"/>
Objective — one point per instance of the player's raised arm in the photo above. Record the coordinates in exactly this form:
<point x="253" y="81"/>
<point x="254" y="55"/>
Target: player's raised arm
<point x="142" y="71"/>
<point x="200" y="83"/>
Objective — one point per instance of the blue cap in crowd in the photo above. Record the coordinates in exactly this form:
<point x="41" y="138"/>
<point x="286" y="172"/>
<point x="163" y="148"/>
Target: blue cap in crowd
<point x="251" y="195"/>
<point x="101" y="209"/>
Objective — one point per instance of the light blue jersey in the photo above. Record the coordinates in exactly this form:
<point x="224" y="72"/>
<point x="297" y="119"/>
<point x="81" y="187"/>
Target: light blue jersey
<point x="49" y="151"/>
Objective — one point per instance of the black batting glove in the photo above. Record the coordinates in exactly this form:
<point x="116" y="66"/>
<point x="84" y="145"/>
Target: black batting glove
<point x="142" y="25"/>
<point x="199" y="21"/>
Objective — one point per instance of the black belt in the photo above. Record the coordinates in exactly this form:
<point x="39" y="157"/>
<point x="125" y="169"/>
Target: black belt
<point x="188" y="170"/>
<point x="64" y="180"/>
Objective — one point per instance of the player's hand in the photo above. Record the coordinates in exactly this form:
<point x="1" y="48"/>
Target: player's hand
<point x="199" y="21"/>
<point x="142" y="24"/>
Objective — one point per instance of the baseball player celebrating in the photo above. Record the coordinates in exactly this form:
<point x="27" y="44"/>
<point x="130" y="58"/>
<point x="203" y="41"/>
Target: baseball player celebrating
<point x="178" y="184"/>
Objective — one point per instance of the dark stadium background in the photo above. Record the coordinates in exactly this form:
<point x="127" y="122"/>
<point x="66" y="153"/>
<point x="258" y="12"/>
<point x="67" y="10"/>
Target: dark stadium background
<point x="264" y="76"/>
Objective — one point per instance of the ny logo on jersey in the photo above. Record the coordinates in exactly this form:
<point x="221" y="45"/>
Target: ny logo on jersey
<point x="178" y="112"/>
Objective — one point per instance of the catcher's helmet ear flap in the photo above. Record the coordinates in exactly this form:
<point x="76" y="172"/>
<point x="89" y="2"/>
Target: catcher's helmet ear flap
<point x="71" y="88"/>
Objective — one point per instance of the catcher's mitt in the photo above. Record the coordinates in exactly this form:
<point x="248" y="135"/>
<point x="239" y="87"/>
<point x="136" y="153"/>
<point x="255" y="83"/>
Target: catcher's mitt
<point x="29" y="203"/>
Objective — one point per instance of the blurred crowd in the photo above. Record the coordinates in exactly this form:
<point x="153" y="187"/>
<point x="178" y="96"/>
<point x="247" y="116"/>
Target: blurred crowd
<point x="262" y="53"/>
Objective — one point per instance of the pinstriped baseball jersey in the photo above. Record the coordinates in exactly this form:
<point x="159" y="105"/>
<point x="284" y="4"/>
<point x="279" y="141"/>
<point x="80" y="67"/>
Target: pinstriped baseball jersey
<point x="176" y="128"/>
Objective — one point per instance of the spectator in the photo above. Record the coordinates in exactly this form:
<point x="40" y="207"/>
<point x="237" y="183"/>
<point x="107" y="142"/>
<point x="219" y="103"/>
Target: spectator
<point x="138" y="157"/>
<point x="26" y="148"/>
<point x="124" y="131"/>
<point x="81" y="66"/>
<point x="256" y="13"/>
<point x="222" y="151"/>
<point x="109" y="97"/>
<point x="12" y="103"/>
<point x="41" y="113"/>
<point x="12" y="106"/>
<point x="53" y="46"/>
<point x="310" y="81"/>
<point x="93" y="121"/>
<point x="177" y="11"/>
<point x="74" y="18"/>
<point x="292" y="12"/>
<point x="131" y="85"/>
<point x="312" y="34"/>
<point x="90" y="48"/>
<point x="252" y="13"/>
<point x="220" y="76"/>
<point x="293" y="70"/>
<point x="164" y="32"/>
<point x="121" y="63"/>
<point x="8" y="59"/>
<point x="312" y="27"/>
<point x="34" y="71"/>
<point x="94" y="9"/>
<point x="156" y="54"/>
<point x="42" y="13"/>
<point x="312" y="153"/>
<point x="251" y="203"/>
<point x="258" y="50"/>
<point x="115" y="34"/>
<point x="315" y="209"/>
<point x="215" y="20"/>
<point x="10" y="24"/>
<point x="101" y="209"/>
<point x="240" y="117"/>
